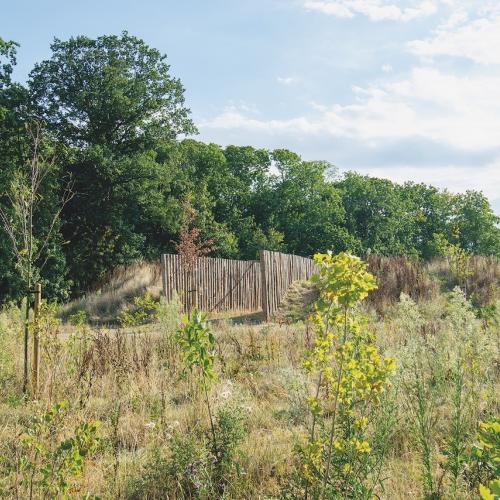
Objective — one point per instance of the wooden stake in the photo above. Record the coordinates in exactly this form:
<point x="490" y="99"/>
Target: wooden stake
<point x="36" y="339"/>
<point x="164" y="274"/>
<point x="263" y="269"/>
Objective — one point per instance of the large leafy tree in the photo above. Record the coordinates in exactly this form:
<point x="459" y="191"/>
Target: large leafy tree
<point x="113" y="90"/>
<point x="476" y="225"/>
<point x="305" y="206"/>
<point x="241" y="202"/>
<point x="377" y="214"/>
<point x="113" y="102"/>
<point x="428" y="213"/>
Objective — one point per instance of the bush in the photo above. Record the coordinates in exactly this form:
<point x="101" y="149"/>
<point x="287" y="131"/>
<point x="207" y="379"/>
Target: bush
<point x="46" y="462"/>
<point x="193" y="468"/>
<point x="144" y="310"/>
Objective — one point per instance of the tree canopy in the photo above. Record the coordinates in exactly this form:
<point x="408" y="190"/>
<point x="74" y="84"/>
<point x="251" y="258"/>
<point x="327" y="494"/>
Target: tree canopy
<point x="115" y="121"/>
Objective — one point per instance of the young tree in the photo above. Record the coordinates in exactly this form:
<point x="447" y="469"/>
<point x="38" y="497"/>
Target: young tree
<point x="189" y="248"/>
<point x="29" y="246"/>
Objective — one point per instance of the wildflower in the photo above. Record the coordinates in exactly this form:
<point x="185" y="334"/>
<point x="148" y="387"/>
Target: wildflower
<point x="363" y="446"/>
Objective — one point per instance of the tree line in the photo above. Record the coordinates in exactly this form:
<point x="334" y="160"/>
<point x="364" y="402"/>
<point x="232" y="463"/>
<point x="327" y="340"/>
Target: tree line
<point x="107" y="124"/>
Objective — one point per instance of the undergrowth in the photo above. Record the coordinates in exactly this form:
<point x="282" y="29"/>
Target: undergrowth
<point x="432" y="432"/>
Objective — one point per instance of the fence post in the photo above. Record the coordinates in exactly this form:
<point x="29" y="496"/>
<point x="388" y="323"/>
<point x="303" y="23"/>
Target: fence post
<point x="163" y="271"/>
<point x="36" y="339"/>
<point x="264" y="284"/>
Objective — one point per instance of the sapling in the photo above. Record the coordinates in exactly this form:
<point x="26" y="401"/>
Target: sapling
<point x="197" y="345"/>
<point x="351" y="377"/>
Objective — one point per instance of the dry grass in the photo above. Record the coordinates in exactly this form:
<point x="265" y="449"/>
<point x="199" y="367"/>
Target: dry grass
<point x="396" y="275"/>
<point x="104" y="303"/>
<point x="137" y="378"/>
<point x="132" y="381"/>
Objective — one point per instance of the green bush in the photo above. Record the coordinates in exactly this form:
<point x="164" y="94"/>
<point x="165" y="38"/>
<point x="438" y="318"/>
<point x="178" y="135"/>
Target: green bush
<point x="144" y="310"/>
<point x="46" y="463"/>
<point x="192" y="467"/>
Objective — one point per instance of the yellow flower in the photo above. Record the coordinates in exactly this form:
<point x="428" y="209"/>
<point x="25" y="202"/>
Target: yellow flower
<point x="363" y="446"/>
<point x="361" y="422"/>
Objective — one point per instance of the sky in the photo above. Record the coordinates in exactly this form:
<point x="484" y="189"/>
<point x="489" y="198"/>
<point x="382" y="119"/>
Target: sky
<point x="406" y="90"/>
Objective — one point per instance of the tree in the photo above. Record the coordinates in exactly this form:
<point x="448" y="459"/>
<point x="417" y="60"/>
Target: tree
<point x="189" y="247"/>
<point x="377" y="215"/>
<point x="113" y="90"/>
<point x="12" y="148"/>
<point x="429" y="212"/>
<point x="306" y="207"/>
<point x="476" y="224"/>
<point x="112" y="101"/>
<point x="31" y="247"/>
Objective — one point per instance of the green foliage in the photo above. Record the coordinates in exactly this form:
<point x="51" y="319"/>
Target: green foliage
<point x="340" y="458"/>
<point x="230" y="430"/>
<point x="486" y="458"/>
<point x="186" y="471"/>
<point x="47" y="463"/>
<point x="128" y="96"/>
<point x="197" y="345"/>
<point x="79" y="318"/>
<point x="459" y="259"/>
<point x="145" y="309"/>
<point x="193" y="468"/>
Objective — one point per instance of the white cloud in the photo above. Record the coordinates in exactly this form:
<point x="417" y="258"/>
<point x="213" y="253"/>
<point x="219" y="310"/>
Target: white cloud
<point x="376" y="10"/>
<point x="287" y="80"/>
<point x="463" y="113"/>
<point x="477" y="39"/>
<point x="386" y="68"/>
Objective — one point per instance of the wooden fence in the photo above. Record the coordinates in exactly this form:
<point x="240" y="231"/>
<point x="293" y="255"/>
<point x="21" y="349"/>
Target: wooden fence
<point x="279" y="271"/>
<point x="213" y="284"/>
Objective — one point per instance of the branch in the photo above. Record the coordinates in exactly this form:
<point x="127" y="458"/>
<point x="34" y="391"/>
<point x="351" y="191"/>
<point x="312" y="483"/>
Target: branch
<point x="9" y="229"/>
<point x="68" y="195"/>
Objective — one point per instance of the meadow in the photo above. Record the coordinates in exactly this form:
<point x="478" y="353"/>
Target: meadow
<point x="122" y="406"/>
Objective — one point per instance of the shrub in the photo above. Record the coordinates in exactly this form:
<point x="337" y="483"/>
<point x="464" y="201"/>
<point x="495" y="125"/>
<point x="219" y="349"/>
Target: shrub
<point x="193" y="468"/>
<point x="144" y="310"/>
<point x="230" y="430"/>
<point x="47" y="463"/>
<point x="338" y="459"/>
<point x="486" y="458"/>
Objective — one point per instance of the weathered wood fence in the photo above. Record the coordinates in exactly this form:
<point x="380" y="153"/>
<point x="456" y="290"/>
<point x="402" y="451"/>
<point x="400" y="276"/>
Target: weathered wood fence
<point x="213" y="284"/>
<point x="279" y="271"/>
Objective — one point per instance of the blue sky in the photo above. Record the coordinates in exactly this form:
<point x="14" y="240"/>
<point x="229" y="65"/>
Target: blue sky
<point x="408" y="90"/>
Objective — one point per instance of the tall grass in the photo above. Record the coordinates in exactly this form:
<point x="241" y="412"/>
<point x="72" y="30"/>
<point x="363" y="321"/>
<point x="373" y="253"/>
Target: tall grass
<point x="155" y="435"/>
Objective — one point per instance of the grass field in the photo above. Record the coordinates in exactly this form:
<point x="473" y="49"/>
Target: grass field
<point x="153" y="440"/>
